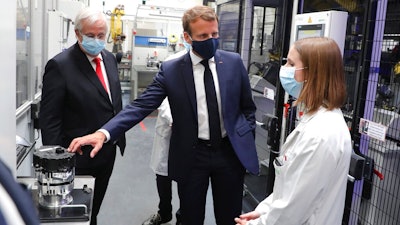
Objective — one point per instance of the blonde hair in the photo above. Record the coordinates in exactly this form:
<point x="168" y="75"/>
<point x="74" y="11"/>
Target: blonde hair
<point x="191" y="15"/>
<point x="324" y="77"/>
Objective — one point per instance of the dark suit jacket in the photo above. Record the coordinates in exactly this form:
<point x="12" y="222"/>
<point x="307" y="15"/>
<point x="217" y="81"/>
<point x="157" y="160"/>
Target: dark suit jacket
<point x="74" y="103"/>
<point x="175" y="80"/>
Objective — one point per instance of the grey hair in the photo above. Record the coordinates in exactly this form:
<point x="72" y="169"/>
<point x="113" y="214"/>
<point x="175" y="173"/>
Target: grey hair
<point x="91" y="15"/>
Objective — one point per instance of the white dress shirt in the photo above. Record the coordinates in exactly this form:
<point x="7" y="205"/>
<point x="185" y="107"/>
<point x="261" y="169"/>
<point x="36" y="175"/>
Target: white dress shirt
<point x="202" y="112"/>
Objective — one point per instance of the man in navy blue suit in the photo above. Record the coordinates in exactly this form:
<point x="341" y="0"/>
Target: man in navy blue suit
<point x="198" y="155"/>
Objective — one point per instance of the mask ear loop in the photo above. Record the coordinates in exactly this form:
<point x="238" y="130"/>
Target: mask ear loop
<point x="191" y="39"/>
<point x="303" y="68"/>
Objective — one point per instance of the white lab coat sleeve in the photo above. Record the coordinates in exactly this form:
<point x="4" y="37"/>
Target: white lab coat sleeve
<point x="160" y="150"/>
<point x="164" y="113"/>
<point x="299" y="183"/>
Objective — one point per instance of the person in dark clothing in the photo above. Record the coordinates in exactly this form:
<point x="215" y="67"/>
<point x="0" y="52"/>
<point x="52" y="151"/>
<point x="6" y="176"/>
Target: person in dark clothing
<point x="81" y="92"/>
<point x="16" y="204"/>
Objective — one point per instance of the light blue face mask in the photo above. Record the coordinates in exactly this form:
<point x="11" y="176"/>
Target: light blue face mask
<point x="93" y="46"/>
<point x="291" y="85"/>
<point x="187" y="45"/>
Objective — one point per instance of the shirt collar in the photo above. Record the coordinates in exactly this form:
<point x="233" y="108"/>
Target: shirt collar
<point x="196" y="59"/>
<point x="90" y="58"/>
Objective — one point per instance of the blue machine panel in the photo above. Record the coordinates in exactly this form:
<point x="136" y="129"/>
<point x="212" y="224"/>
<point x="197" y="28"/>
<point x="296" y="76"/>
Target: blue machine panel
<point x="149" y="41"/>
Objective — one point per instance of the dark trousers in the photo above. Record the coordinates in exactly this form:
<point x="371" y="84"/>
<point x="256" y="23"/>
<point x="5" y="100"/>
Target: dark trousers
<point x="102" y="174"/>
<point x="164" y="188"/>
<point x="222" y="168"/>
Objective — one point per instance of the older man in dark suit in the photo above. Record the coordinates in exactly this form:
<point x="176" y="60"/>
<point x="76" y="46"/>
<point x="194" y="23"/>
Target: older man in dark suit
<point x="81" y="92"/>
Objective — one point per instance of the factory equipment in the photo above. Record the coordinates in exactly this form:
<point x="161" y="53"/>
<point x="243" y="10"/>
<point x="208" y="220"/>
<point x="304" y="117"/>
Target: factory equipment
<point x="23" y="148"/>
<point x="173" y="40"/>
<point x="59" y="27"/>
<point x="58" y="30"/>
<point x="156" y="35"/>
<point x="116" y="30"/>
<point x="58" y="195"/>
<point x="54" y="170"/>
<point x="321" y="24"/>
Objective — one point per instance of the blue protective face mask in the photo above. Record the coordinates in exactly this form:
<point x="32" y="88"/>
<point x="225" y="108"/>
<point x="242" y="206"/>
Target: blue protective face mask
<point x="93" y="46"/>
<point x="291" y="85"/>
<point x="207" y="48"/>
<point x="186" y="45"/>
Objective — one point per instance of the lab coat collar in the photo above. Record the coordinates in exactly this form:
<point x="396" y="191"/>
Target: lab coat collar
<point x="307" y="116"/>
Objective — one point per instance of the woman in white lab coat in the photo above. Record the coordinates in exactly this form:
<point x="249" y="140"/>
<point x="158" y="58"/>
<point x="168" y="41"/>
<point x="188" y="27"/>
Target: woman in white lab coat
<point x="311" y="171"/>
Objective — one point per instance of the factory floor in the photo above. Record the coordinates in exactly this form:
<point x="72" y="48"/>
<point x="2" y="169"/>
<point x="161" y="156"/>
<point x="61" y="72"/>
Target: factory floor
<point x="132" y="193"/>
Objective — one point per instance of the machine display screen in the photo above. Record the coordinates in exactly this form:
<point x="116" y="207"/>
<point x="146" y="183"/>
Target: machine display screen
<point x="315" y="30"/>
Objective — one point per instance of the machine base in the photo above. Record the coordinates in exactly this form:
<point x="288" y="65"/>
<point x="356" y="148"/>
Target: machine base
<point x="78" y="210"/>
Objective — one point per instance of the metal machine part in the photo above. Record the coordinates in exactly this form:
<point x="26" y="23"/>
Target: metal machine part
<point x="54" y="171"/>
<point x="23" y="148"/>
<point x="153" y="62"/>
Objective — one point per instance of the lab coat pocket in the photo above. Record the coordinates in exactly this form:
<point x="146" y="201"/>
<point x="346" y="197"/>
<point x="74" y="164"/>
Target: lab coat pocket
<point x="280" y="165"/>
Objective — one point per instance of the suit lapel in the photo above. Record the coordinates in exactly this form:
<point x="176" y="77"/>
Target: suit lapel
<point x="187" y="75"/>
<point x="111" y="76"/>
<point x="220" y="67"/>
<point x="87" y="70"/>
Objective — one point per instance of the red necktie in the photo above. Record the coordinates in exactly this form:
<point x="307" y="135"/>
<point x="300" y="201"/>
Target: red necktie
<point x="99" y="72"/>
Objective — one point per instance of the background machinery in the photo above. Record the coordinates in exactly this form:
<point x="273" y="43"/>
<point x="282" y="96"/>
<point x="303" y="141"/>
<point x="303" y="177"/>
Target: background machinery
<point x="116" y="28"/>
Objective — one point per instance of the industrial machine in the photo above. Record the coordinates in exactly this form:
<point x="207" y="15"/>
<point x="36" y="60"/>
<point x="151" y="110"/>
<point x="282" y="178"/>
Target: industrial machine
<point x="116" y="28"/>
<point x="321" y="24"/>
<point x="58" y="195"/>
<point x="155" y="37"/>
<point x="55" y="172"/>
